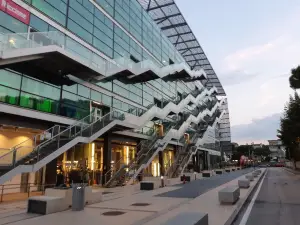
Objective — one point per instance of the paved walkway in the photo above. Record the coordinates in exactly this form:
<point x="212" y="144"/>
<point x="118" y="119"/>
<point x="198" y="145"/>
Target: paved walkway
<point x="198" y="187"/>
<point x="11" y="197"/>
<point x="277" y="202"/>
<point x="137" y="207"/>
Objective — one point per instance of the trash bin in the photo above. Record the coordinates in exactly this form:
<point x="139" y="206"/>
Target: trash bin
<point x="78" y="198"/>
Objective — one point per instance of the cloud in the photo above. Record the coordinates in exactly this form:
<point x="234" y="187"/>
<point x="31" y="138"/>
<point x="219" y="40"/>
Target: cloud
<point x="269" y="59"/>
<point x="237" y="77"/>
<point x="258" y="131"/>
<point x="255" y="77"/>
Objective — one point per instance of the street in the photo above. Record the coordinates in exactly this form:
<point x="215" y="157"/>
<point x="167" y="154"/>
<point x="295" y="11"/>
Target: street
<point x="276" y="200"/>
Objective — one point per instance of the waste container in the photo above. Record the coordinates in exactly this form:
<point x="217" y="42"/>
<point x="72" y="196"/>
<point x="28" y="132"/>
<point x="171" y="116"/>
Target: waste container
<point x="78" y="198"/>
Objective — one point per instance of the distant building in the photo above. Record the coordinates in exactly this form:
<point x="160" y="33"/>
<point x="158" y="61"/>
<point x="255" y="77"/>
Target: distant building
<point x="276" y="148"/>
<point x="257" y="145"/>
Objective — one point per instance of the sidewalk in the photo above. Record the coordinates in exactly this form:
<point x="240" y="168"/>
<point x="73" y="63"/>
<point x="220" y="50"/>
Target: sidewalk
<point x="296" y="172"/>
<point x="145" y="207"/>
<point x="12" y="197"/>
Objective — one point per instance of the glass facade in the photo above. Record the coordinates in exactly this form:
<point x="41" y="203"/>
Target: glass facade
<point x="89" y="23"/>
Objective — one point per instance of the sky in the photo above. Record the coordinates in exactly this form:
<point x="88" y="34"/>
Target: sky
<point x="252" y="46"/>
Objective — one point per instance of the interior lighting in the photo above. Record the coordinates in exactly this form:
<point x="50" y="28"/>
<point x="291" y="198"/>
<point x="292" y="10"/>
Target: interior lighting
<point x="93" y="156"/>
<point x="127" y="155"/>
<point x="12" y="41"/>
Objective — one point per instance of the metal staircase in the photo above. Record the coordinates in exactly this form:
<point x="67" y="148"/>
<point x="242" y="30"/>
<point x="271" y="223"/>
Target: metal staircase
<point x="170" y="106"/>
<point x="43" y="43"/>
<point x="193" y="150"/>
<point x="175" y="134"/>
<point x="27" y="157"/>
<point x="146" y="68"/>
<point x="147" y="148"/>
<point x="181" y="156"/>
<point x="184" y="156"/>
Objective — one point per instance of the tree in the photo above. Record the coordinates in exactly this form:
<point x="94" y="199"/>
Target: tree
<point x="262" y="151"/>
<point x="289" y="131"/>
<point x="245" y="150"/>
<point x="295" y="78"/>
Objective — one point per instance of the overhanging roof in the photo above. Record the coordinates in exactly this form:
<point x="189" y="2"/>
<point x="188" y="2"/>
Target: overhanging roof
<point x="172" y="23"/>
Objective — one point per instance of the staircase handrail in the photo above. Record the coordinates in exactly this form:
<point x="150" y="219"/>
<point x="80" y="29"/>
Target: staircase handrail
<point x="19" y="145"/>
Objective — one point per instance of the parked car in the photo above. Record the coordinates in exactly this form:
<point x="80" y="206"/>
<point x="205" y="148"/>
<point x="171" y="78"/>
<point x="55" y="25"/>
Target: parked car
<point x="279" y="164"/>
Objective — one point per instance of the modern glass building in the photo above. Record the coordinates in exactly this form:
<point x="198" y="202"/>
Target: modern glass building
<point x="117" y="89"/>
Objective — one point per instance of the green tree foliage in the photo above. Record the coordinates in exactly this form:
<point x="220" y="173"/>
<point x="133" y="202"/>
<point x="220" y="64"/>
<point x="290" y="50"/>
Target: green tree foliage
<point x="290" y="128"/>
<point x="245" y="150"/>
<point x="262" y="151"/>
<point x="295" y="78"/>
<point x="248" y="150"/>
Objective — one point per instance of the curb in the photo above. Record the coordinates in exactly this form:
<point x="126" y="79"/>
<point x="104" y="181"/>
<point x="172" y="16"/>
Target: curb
<point x="240" y="205"/>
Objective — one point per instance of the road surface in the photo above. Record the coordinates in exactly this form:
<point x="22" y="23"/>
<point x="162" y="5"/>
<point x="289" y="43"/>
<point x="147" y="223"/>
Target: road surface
<point x="201" y="186"/>
<point x="276" y="200"/>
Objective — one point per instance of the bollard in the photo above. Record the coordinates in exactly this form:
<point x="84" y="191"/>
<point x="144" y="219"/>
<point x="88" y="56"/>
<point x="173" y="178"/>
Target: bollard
<point x="162" y="181"/>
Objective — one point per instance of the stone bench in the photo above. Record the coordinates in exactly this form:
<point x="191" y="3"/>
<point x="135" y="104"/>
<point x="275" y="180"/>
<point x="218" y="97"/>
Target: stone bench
<point x="228" y="170"/>
<point x="187" y="178"/>
<point x="147" y="185"/>
<point x="244" y="183"/>
<point x="57" y="200"/>
<point x="92" y="196"/>
<point x="238" y="168"/>
<point x="249" y="177"/>
<point x="206" y="174"/>
<point x="219" y="171"/>
<point x="229" y="194"/>
<point x="46" y="204"/>
<point x="233" y="169"/>
<point x="188" y="218"/>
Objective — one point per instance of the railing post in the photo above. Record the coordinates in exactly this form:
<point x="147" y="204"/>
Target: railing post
<point x="28" y="188"/>
<point x="2" y="192"/>
<point x="14" y="157"/>
<point x="38" y="154"/>
<point x="91" y="130"/>
<point x="58" y="137"/>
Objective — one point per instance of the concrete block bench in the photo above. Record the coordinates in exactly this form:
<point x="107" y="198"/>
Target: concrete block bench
<point x="233" y="169"/>
<point x="206" y="174"/>
<point x="188" y="218"/>
<point x="244" y="183"/>
<point x="66" y="194"/>
<point x="238" y="168"/>
<point x="228" y="170"/>
<point x="187" y="178"/>
<point x="219" y="171"/>
<point x="46" y="204"/>
<point x="147" y="185"/>
<point x="229" y="195"/>
<point x="57" y="200"/>
<point x="92" y="196"/>
<point x="249" y="177"/>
